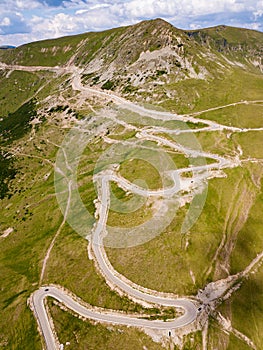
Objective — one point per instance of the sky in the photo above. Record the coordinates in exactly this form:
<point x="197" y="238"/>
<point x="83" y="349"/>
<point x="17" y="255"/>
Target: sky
<point x="23" y="21"/>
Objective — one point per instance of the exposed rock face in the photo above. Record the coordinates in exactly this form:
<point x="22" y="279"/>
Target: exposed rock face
<point x="147" y="55"/>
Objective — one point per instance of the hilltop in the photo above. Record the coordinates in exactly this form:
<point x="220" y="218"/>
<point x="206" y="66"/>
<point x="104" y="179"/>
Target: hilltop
<point x="150" y="58"/>
<point x="125" y="45"/>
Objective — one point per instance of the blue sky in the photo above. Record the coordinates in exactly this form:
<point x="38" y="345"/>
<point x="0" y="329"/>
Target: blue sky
<point x="23" y="21"/>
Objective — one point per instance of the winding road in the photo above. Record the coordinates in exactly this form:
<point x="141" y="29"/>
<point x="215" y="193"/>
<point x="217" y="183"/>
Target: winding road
<point x="113" y="278"/>
<point x="39" y="296"/>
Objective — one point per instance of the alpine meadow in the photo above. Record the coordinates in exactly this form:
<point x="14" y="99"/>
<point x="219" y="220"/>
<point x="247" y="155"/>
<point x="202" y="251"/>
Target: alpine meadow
<point x="131" y="167"/>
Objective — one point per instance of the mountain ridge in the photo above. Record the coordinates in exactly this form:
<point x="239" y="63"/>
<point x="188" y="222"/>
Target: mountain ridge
<point x="143" y="26"/>
<point x="151" y="60"/>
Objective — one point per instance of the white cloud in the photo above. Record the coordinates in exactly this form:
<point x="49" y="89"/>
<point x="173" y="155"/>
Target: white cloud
<point x="77" y="3"/>
<point x="145" y="8"/>
<point x="13" y="5"/>
<point x="97" y="6"/>
<point x="255" y="26"/>
<point x="75" y="16"/>
<point x="5" y="21"/>
<point x="257" y="14"/>
<point x="64" y="24"/>
<point x="26" y="4"/>
<point x="195" y="26"/>
<point x="80" y="12"/>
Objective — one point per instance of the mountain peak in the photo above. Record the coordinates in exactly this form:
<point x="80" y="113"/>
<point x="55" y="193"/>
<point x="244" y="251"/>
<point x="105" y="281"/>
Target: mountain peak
<point x="156" y="24"/>
<point x="161" y="22"/>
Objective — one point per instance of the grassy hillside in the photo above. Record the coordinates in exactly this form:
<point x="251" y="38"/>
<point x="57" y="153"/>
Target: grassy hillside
<point x="228" y="38"/>
<point x="162" y="68"/>
<point x="43" y="53"/>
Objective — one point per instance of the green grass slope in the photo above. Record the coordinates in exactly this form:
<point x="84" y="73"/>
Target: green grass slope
<point x="171" y="262"/>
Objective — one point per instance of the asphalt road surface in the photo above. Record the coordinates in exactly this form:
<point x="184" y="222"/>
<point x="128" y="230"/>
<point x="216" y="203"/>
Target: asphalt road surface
<point x="104" y="317"/>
